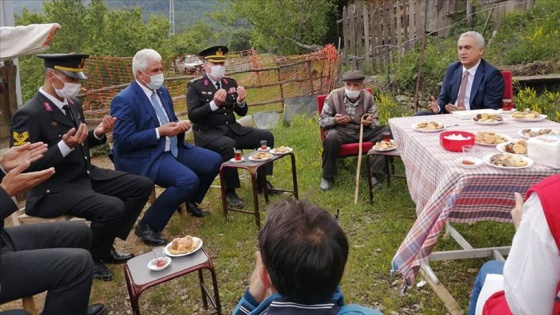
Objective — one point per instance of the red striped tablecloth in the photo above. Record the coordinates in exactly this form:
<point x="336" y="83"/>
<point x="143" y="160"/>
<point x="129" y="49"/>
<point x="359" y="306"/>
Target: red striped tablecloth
<point x="442" y="190"/>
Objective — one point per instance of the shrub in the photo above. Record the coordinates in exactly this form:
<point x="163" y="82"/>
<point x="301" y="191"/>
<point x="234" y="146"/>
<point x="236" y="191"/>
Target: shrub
<point x="547" y="103"/>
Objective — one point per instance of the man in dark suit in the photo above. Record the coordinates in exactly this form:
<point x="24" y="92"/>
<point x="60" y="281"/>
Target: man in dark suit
<point x="212" y="101"/>
<point x="149" y="141"/>
<point x="471" y="82"/>
<point x="50" y="257"/>
<point x="111" y="200"/>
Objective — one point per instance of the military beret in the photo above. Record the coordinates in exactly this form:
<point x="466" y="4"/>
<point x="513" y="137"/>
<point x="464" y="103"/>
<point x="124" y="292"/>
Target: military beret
<point x="353" y="75"/>
<point x="70" y="64"/>
<point x="214" y="53"/>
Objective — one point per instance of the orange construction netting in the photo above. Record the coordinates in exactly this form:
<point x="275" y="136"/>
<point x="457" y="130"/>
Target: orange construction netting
<point x="269" y="79"/>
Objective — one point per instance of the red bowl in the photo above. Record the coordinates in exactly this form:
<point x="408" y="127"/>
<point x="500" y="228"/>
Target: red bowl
<point x="455" y="145"/>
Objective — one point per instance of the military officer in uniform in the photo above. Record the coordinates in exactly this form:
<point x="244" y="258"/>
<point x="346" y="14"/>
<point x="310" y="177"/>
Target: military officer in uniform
<point x="111" y="200"/>
<point x="212" y="101"/>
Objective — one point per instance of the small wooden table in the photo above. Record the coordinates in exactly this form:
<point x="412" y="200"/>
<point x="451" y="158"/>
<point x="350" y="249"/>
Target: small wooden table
<point x="252" y="167"/>
<point x="139" y="278"/>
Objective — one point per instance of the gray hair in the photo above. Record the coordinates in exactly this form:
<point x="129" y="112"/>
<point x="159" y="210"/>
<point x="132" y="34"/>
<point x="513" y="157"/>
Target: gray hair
<point x="140" y="60"/>
<point x="477" y="37"/>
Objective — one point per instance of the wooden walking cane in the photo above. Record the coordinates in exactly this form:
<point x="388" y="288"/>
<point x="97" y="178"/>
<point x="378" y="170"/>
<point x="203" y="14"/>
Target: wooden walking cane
<point x="361" y="141"/>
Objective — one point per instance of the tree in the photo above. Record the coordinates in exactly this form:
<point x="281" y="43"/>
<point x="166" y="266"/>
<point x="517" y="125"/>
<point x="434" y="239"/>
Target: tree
<point x="284" y="26"/>
<point x="95" y="30"/>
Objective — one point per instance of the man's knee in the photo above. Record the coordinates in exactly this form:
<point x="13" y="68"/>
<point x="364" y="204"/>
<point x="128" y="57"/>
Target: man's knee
<point x="79" y="262"/>
<point x="331" y="138"/>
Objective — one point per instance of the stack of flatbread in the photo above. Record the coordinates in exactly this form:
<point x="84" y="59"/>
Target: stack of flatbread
<point x="183" y="245"/>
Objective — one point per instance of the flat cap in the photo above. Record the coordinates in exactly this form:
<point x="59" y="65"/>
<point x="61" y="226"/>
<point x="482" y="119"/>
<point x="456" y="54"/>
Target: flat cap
<point x="214" y="53"/>
<point x="71" y="65"/>
<point x="353" y="75"/>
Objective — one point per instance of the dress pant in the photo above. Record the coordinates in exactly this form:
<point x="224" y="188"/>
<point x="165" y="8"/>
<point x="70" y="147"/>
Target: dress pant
<point x="50" y="257"/>
<point x="339" y="135"/>
<point x="113" y="210"/>
<point x="185" y="178"/>
<point x="225" y="145"/>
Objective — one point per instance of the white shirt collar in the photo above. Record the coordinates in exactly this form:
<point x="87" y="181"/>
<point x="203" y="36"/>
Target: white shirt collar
<point x="146" y="90"/>
<point x="53" y="99"/>
<point x="472" y="71"/>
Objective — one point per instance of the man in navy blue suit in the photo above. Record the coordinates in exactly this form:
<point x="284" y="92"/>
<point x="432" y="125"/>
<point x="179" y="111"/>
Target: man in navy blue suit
<point x="149" y="141"/>
<point x="471" y="82"/>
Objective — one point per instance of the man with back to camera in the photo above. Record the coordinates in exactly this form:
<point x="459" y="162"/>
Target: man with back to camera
<point x="470" y="83"/>
<point x="341" y="118"/>
<point x="212" y="101"/>
<point x="111" y="200"/>
<point x="40" y="257"/>
<point x="303" y="253"/>
<point x="149" y="141"/>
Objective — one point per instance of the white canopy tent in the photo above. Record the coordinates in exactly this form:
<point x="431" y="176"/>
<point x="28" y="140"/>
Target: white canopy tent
<point x="16" y="41"/>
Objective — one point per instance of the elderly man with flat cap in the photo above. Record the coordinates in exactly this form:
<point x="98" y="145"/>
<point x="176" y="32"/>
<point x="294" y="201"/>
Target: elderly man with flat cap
<point x="341" y="117"/>
<point x="213" y="100"/>
<point x="111" y="200"/>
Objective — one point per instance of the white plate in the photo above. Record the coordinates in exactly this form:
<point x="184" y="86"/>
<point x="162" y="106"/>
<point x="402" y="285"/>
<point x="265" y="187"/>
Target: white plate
<point x="259" y="160"/>
<point x="288" y="150"/>
<point x="166" y="249"/>
<point x="508" y="139"/>
<point x="233" y="160"/>
<point x="502" y="148"/>
<point x="385" y="150"/>
<point x="261" y="150"/>
<point x="505" y="112"/>
<point x="541" y="117"/>
<point x="469" y="114"/>
<point x="415" y="127"/>
<point x="152" y="264"/>
<point x="477" y="162"/>
<point x="487" y="158"/>
<point x="520" y="132"/>
<point x="494" y="122"/>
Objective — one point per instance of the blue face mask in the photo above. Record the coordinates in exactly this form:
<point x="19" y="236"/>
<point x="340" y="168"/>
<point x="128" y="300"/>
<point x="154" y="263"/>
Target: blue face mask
<point x="156" y="81"/>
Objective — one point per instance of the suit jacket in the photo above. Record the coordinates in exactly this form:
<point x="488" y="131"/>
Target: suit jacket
<point x="136" y="147"/>
<point x="41" y="120"/>
<point x="487" y="88"/>
<point x="209" y="125"/>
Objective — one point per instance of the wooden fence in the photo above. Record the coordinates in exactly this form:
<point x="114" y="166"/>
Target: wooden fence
<point x="375" y="28"/>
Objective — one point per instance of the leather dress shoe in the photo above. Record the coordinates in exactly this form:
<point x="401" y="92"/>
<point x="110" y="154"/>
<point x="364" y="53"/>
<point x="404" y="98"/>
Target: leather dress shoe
<point x="234" y="201"/>
<point x="96" y="309"/>
<point x="149" y="236"/>
<point x="100" y="272"/>
<point x="195" y="210"/>
<point x="269" y="187"/>
<point x="325" y="184"/>
<point x="116" y="257"/>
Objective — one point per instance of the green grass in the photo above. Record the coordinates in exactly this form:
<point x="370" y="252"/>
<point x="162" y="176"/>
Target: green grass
<point x="374" y="232"/>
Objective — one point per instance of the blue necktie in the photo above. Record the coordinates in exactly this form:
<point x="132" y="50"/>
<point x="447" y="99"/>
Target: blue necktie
<point x="163" y="120"/>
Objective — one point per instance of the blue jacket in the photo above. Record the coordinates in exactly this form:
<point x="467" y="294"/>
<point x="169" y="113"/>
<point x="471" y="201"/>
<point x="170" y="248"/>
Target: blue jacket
<point x="487" y="88"/>
<point x="276" y="305"/>
<point x="136" y="147"/>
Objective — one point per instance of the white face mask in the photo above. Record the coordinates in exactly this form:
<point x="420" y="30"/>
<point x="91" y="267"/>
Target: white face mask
<point x="218" y="72"/>
<point x="351" y="94"/>
<point x="69" y="90"/>
<point x="156" y="81"/>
